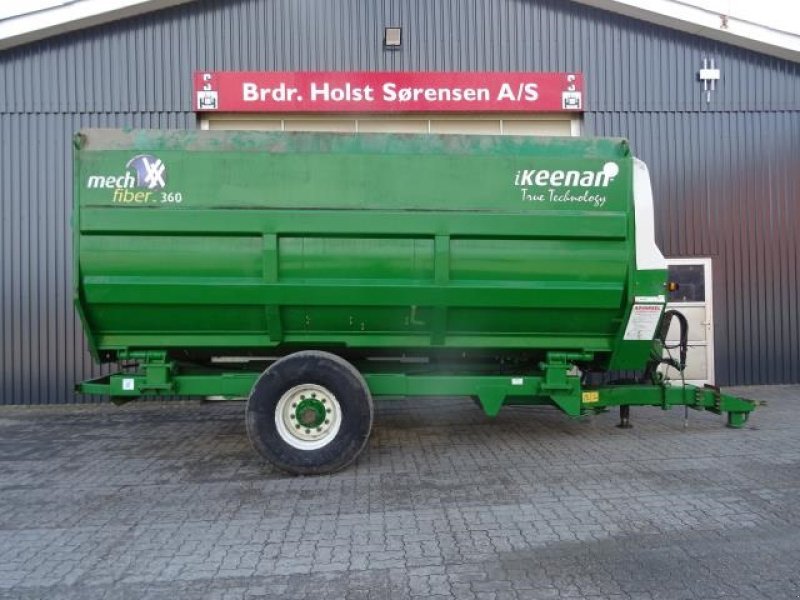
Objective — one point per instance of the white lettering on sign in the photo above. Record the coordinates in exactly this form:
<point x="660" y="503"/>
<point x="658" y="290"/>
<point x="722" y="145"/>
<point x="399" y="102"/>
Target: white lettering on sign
<point x="643" y="321"/>
<point x="111" y="181"/>
<point x="326" y="92"/>
<point x="280" y="93"/>
<point x="528" y="92"/>
<point x="390" y="92"/>
<point x="558" y="178"/>
<point x="406" y="91"/>
<point x="558" y="185"/>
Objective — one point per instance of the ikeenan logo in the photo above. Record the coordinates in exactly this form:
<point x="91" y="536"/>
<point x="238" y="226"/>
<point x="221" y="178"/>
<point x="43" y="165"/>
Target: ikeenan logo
<point x="567" y="178"/>
<point x="566" y="186"/>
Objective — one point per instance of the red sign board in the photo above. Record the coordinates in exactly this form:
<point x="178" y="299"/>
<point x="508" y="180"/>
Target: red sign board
<point x="360" y="91"/>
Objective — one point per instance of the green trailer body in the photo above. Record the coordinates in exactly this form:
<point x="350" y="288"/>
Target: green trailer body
<point x="417" y="264"/>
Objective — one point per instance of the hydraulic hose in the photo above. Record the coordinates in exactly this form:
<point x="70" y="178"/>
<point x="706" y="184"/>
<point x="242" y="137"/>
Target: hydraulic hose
<point x="682" y="345"/>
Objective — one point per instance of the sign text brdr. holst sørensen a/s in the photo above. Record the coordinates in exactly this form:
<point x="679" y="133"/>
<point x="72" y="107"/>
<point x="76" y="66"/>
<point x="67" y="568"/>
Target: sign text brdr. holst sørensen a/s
<point x="258" y="91"/>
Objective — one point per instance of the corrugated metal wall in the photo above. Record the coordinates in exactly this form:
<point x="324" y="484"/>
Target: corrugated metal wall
<point x="727" y="185"/>
<point x="726" y="174"/>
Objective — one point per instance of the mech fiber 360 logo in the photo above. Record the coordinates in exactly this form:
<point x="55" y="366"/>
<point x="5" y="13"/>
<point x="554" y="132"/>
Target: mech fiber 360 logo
<point x="144" y="171"/>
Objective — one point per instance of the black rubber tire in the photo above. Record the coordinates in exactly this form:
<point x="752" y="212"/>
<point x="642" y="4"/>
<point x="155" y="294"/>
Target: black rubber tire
<point x="329" y="371"/>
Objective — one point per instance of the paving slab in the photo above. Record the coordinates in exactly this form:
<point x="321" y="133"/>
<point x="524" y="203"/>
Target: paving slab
<point x="168" y="500"/>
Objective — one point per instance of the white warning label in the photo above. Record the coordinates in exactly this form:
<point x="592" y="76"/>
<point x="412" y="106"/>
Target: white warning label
<point x="643" y="321"/>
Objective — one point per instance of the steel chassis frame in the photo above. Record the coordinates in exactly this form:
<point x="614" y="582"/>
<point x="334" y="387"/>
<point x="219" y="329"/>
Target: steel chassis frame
<point x="555" y="384"/>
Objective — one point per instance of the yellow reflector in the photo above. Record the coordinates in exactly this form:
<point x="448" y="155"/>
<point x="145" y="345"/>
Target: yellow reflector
<point x="590" y="397"/>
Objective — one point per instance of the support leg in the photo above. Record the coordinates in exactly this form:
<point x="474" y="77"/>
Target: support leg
<point x="625" y="417"/>
<point x="736" y="420"/>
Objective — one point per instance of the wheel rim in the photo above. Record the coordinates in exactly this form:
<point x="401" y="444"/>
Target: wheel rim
<point x="308" y="416"/>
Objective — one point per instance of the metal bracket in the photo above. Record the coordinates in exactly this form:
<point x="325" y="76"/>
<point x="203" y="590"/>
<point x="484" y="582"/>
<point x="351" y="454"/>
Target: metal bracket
<point x="709" y="75"/>
<point x="556" y="370"/>
<point x="563" y="388"/>
<point x="154" y="373"/>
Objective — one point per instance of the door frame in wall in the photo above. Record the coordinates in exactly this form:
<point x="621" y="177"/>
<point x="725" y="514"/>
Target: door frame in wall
<point x="708" y="304"/>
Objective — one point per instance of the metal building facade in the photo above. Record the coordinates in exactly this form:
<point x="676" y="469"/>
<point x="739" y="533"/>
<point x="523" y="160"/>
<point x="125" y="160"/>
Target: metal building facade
<point x="726" y="173"/>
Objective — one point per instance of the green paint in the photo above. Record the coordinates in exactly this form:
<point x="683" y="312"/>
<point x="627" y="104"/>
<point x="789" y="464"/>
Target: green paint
<point x="425" y="243"/>
<point x="737" y="420"/>
<point x="554" y="387"/>
<point x="498" y="250"/>
<point x="310" y="412"/>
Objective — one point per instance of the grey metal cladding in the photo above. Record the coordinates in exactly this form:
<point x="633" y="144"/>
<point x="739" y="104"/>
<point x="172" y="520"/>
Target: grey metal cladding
<point x="726" y="185"/>
<point x="725" y="173"/>
<point x="144" y="64"/>
<point x="42" y="347"/>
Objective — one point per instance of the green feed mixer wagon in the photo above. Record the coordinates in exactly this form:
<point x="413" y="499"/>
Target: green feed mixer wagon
<point x="312" y="272"/>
